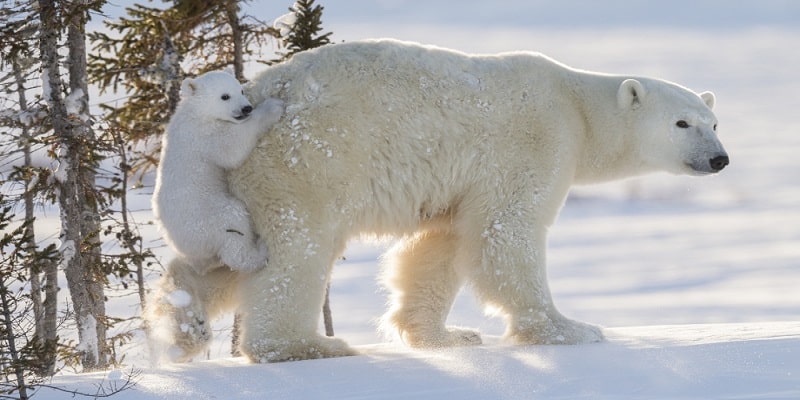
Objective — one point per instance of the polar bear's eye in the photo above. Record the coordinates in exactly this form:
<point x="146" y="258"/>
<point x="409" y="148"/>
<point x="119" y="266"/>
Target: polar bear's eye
<point x="226" y="97"/>
<point x="715" y="127"/>
<point x="682" y="124"/>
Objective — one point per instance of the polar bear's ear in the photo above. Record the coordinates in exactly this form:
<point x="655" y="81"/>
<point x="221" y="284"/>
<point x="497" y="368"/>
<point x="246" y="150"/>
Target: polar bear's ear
<point x="188" y="87"/>
<point x="709" y="98"/>
<point x="630" y="93"/>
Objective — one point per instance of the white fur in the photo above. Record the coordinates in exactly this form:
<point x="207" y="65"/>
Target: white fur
<point x="467" y="158"/>
<point x="211" y="132"/>
<point x="180" y="312"/>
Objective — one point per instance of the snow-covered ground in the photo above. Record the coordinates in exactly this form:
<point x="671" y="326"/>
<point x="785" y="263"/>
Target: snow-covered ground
<point x="721" y="361"/>
<point x="698" y="277"/>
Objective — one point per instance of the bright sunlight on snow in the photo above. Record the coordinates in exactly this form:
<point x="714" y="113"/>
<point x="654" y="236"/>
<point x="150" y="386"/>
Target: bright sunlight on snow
<point x="696" y="279"/>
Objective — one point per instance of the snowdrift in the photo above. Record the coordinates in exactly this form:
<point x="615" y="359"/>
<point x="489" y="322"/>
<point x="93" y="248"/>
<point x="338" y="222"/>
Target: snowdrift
<point x="717" y="361"/>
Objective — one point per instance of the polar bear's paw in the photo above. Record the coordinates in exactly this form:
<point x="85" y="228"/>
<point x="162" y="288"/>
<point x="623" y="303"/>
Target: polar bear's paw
<point x="191" y="335"/>
<point x="450" y="337"/>
<point x="270" y="111"/>
<point x="178" y="326"/>
<point x="555" y="330"/>
<point x="271" y="350"/>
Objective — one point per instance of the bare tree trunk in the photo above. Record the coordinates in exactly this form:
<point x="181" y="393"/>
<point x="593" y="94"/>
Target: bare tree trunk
<point x="11" y="341"/>
<point x="91" y="274"/>
<point x="128" y="238"/>
<point x="326" y="312"/>
<point x="44" y="312"/>
<point x="172" y="74"/>
<point x="80" y="222"/>
<point x="232" y="13"/>
<point x="236" y="335"/>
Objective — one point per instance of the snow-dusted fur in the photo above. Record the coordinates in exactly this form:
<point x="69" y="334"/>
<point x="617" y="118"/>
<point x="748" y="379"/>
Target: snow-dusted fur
<point x="213" y="130"/>
<point x="467" y="158"/>
<point x="180" y="311"/>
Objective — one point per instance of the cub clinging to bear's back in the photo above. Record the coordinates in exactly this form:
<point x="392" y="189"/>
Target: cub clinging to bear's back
<point x="213" y="130"/>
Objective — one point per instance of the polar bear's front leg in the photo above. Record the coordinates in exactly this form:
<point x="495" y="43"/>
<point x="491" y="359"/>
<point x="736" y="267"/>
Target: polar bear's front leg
<point x="281" y="304"/>
<point x="512" y="277"/>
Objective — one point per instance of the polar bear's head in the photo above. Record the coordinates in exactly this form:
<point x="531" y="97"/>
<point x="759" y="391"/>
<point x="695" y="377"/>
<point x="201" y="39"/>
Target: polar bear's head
<point x="677" y="127"/>
<point x="218" y="95"/>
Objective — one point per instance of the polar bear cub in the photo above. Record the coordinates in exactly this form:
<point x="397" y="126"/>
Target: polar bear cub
<point x="213" y="130"/>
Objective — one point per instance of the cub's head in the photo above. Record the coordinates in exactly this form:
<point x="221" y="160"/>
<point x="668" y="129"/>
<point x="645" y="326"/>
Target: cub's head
<point x="218" y="95"/>
<point x="676" y="127"/>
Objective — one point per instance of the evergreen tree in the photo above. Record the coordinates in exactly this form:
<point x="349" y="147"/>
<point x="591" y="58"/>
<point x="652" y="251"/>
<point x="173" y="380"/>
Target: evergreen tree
<point x="20" y="352"/>
<point x="143" y="62"/>
<point x="78" y="159"/>
<point x="154" y="50"/>
<point x="23" y="132"/>
<point x="302" y="26"/>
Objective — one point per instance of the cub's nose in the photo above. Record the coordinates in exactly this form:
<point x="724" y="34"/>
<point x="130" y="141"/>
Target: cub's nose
<point x="246" y="110"/>
<point x="718" y="163"/>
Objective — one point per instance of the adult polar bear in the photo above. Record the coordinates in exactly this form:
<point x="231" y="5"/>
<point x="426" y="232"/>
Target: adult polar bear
<point x="467" y="158"/>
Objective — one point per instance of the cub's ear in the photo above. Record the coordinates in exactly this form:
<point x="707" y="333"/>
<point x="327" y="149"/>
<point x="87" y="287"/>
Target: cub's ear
<point x="709" y="98"/>
<point x="188" y="87"/>
<point x="630" y="94"/>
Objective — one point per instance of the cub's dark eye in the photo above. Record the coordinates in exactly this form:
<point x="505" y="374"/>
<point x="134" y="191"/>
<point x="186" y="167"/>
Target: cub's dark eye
<point x="225" y="97"/>
<point x="715" y="127"/>
<point x="682" y="124"/>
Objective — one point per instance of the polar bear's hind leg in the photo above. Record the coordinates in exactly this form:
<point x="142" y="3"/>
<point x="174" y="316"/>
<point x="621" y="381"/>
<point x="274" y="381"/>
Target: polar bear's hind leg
<point x="424" y="285"/>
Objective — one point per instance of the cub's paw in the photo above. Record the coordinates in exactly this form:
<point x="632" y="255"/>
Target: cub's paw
<point x="270" y="111"/>
<point x="244" y="257"/>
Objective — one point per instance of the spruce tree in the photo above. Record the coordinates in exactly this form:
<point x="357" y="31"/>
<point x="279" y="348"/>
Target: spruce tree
<point x="152" y="50"/>
<point x="21" y="354"/>
<point x="78" y="159"/>
<point x="23" y="132"/>
<point x="303" y="32"/>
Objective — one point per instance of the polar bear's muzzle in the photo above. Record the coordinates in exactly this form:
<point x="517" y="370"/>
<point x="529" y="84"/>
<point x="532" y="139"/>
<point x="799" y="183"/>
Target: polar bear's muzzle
<point x="244" y="113"/>
<point x="719" y="162"/>
<point x="712" y="166"/>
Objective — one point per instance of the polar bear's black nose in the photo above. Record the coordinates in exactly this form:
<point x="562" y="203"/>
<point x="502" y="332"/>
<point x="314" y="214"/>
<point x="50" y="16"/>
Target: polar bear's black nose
<point x="246" y="110"/>
<point x="719" y="162"/>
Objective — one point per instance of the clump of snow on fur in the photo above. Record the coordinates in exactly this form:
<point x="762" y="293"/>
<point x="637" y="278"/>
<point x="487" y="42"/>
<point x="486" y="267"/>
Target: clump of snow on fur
<point x="179" y="298"/>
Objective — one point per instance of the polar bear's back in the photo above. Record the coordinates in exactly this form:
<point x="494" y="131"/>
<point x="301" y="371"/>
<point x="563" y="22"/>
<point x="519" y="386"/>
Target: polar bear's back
<point x="395" y="131"/>
<point x="388" y="72"/>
